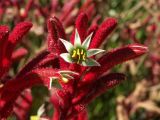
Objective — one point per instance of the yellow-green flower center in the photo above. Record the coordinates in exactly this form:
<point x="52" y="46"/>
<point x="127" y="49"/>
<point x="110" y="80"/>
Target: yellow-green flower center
<point x="35" y="117"/>
<point x="78" y="55"/>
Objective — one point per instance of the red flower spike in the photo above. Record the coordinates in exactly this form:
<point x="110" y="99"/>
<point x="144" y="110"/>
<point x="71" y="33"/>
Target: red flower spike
<point x="59" y="99"/>
<point x="4" y="32"/>
<point x="50" y="59"/>
<point x="52" y="35"/>
<point x="92" y="29"/>
<point x="18" y="54"/>
<point x="33" y="63"/>
<point x="121" y="55"/>
<point x="59" y="103"/>
<point x="35" y="77"/>
<point x="115" y="57"/>
<point x="101" y="85"/>
<point x="54" y="5"/>
<point x="104" y="30"/>
<point x="18" y="32"/>
<point x="81" y="25"/>
<point x="60" y="28"/>
<point x="68" y="7"/>
<point x="85" y="5"/>
<point x="88" y="91"/>
<point x="3" y="36"/>
<point x="28" y="7"/>
<point x="96" y="20"/>
<point x="89" y="8"/>
<point x="61" y="34"/>
<point x="56" y="31"/>
<point x="8" y="46"/>
<point x="90" y="11"/>
<point x="69" y="21"/>
<point x="56" y="115"/>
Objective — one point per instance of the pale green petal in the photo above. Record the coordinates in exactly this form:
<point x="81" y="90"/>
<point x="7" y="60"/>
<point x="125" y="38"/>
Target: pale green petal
<point x="77" y="39"/>
<point x="67" y="76"/>
<point x="68" y="72"/>
<point x="90" y="62"/>
<point x="87" y="41"/>
<point x="40" y="110"/>
<point x="92" y="52"/>
<point x="51" y="80"/>
<point x="67" y="45"/>
<point x="66" y="57"/>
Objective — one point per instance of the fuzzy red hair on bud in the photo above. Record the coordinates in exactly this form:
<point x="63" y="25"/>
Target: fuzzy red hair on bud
<point x="18" y="54"/>
<point x="104" y="30"/>
<point x="81" y="25"/>
<point x="114" y="57"/>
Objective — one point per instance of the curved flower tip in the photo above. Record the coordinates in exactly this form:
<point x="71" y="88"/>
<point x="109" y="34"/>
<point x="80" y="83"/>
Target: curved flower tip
<point x="52" y="29"/>
<point x="81" y="25"/>
<point x="79" y="52"/>
<point x="19" y="31"/>
<point x="139" y="49"/>
<point x="18" y="54"/>
<point x="104" y="30"/>
<point x="4" y="32"/>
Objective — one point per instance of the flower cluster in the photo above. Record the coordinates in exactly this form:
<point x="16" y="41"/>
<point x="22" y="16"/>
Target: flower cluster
<point x="73" y="64"/>
<point x="70" y="101"/>
<point x="33" y="73"/>
<point x="79" y="53"/>
<point x="67" y="11"/>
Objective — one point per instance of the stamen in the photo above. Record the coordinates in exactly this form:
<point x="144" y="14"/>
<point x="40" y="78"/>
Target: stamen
<point x="82" y="52"/>
<point x="74" y="54"/>
<point x="84" y="56"/>
<point x="65" y="80"/>
<point x="78" y="55"/>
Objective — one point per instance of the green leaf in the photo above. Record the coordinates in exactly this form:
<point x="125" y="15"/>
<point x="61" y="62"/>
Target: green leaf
<point x="66" y="57"/>
<point x="87" y="41"/>
<point x="92" y="52"/>
<point x="77" y="39"/>
<point x="90" y="62"/>
<point x="67" y="45"/>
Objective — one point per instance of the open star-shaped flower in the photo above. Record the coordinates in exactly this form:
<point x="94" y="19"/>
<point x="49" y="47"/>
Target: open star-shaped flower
<point x="79" y="52"/>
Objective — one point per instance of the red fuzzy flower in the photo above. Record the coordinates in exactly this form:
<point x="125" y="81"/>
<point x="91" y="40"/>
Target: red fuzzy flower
<point x="71" y="100"/>
<point x="79" y="84"/>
